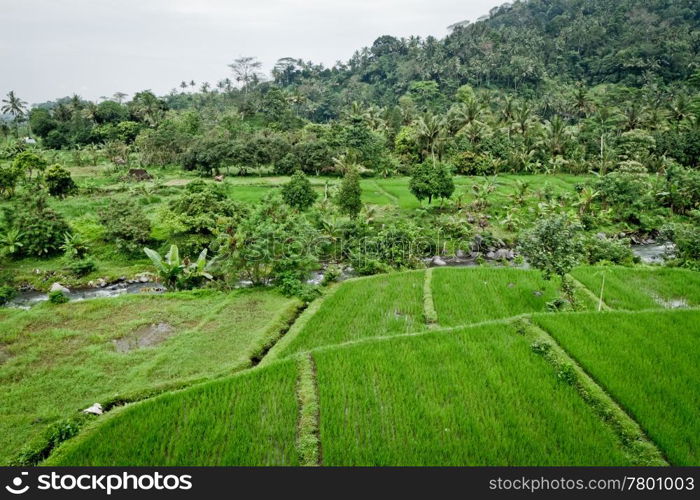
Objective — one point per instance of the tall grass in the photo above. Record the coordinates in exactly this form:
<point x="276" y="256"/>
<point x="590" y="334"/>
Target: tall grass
<point x="650" y="363"/>
<point x="636" y="289"/>
<point x="249" y="419"/>
<point x="63" y="359"/>
<point x="464" y="296"/>
<point x="478" y="396"/>
<point x="381" y="305"/>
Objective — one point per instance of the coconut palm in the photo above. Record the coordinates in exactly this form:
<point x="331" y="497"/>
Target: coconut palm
<point x="430" y="132"/>
<point x="15" y="107"/>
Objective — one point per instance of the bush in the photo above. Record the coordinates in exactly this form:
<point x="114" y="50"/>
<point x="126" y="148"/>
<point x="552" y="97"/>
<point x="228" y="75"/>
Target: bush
<point x="58" y="297"/>
<point x="7" y="293"/>
<point x="59" y="182"/>
<point x="608" y="250"/>
<point x="298" y="193"/>
<point x="27" y="163"/>
<point x="126" y="224"/>
<point x="349" y="197"/>
<point x="80" y="268"/>
<point x="687" y="240"/>
<point x="42" y="229"/>
<point x="271" y="243"/>
<point x="291" y="286"/>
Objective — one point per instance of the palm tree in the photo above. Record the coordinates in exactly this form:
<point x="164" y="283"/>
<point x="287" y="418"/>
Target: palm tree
<point x="556" y="135"/>
<point x="14" y="106"/>
<point x="430" y="131"/>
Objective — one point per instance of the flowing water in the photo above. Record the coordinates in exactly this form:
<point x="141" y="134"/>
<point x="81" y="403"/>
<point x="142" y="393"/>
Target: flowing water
<point x="25" y="300"/>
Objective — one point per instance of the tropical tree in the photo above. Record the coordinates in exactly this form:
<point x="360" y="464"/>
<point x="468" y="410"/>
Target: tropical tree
<point x="298" y="193"/>
<point x="15" y="107"/>
<point x="246" y="71"/>
<point x="349" y="196"/>
<point x="554" y="246"/>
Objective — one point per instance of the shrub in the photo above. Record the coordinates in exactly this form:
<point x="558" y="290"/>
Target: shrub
<point x="80" y="268"/>
<point x="58" y="297"/>
<point x="202" y="211"/>
<point x="628" y="190"/>
<point x="349" y="196"/>
<point x="298" y="193"/>
<point x="271" y="243"/>
<point x="680" y="189"/>
<point x="8" y="181"/>
<point x="59" y="182"/>
<point x="553" y="245"/>
<point x="126" y="224"/>
<point x="27" y="163"/>
<point x="7" y="293"/>
<point x="608" y="250"/>
<point x="687" y="240"/>
<point x="42" y="229"/>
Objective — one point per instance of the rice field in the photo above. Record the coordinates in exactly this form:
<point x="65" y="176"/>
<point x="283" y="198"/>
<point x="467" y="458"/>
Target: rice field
<point x="464" y="296"/>
<point x="249" y="419"/>
<point x="58" y="360"/>
<point x="636" y="289"/>
<point x="382" y="305"/>
<point x="649" y="362"/>
<point x="478" y="396"/>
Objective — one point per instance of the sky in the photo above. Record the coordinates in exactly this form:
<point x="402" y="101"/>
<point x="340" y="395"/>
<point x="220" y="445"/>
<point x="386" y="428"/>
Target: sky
<point x="54" y="48"/>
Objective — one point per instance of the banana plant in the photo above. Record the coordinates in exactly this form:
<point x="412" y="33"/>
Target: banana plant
<point x="177" y="273"/>
<point x="10" y="241"/>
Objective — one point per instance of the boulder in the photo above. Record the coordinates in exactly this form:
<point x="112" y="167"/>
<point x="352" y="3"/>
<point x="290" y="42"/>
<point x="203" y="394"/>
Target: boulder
<point x="501" y="253"/>
<point x="57" y="287"/>
<point x="601" y="236"/>
<point x="139" y="174"/>
<point x="491" y="255"/>
<point x="437" y="261"/>
<point x="95" y="409"/>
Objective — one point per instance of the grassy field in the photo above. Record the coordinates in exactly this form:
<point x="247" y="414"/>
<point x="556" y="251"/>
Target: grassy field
<point x="377" y="306"/>
<point x="249" y="419"/>
<point x="61" y="359"/>
<point x="474" y="397"/>
<point x="636" y="289"/>
<point x="463" y="296"/>
<point x="649" y="362"/>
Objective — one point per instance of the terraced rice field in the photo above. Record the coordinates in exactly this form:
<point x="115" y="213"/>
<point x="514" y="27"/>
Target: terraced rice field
<point x="360" y="379"/>
<point x="473" y="397"/>
<point x="464" y="296"/>
<point x="378" y="306"/>
<point x="249" y="419"/>
<point x="59" y="360"/>
<point x="636" y="289"/>
<point x="649" y="362"/>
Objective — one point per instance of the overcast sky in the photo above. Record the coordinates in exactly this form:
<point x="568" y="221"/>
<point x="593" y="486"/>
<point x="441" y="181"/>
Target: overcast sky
<point x="53" y="48"/>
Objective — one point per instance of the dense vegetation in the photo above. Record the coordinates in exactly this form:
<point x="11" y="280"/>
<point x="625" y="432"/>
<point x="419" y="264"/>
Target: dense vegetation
<point x="550" y="135"/>
<point x="564" y="86"/>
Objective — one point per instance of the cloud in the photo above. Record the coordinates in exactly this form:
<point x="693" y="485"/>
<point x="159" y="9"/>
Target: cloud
<point x="97" y="47"/>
